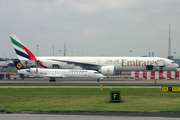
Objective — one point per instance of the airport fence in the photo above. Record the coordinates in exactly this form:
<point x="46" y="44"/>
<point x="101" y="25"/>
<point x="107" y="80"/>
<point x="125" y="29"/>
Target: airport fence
<point x="157" y="75"/>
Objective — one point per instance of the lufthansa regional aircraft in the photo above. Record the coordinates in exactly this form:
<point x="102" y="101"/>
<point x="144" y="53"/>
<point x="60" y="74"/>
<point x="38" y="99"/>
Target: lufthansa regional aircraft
<point x="56" y="73"/>
<point x="105" y="65"/>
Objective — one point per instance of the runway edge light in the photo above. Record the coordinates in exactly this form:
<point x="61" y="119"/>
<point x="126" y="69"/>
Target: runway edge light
<point x="101" y="87"/>
<point x="115" y="96"/>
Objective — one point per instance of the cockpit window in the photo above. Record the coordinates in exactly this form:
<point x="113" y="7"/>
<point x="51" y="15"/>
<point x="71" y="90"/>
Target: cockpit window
<point x="96" y="73"/>
<point x="173" y="62"/>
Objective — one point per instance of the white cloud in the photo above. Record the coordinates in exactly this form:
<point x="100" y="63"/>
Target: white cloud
<point x="47" y="8"/>
<point x="93" y="6"/>
<point x="32" y="8"/>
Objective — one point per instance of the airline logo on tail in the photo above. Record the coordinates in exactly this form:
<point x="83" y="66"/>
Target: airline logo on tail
<point x="18" y="64"/>
<point x="22" y="52"/>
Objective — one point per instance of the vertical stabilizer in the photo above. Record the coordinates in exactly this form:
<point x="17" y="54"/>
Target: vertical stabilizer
<point x="22" y="52"/>
<point x="18" y="64"/>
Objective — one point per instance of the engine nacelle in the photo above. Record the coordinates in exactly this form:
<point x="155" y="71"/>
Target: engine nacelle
<point x="108" y="70"/>
<point x="33" y="70"/>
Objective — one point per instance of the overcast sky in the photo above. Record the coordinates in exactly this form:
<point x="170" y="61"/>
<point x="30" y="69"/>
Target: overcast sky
<point x="91" y="27"/>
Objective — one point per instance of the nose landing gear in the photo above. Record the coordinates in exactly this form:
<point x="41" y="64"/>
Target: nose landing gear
<point x="52" y="80"/>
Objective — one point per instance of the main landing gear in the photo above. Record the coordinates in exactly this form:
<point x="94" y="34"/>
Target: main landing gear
<point x="52" y="80"/>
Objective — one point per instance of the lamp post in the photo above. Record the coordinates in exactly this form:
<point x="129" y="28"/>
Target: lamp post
<point x="60" y="51"/>
<point x="174" y="55"/>
<point x="53" y="50"/>
<point x="130" y="52"/>
<point x="37" y="49"/>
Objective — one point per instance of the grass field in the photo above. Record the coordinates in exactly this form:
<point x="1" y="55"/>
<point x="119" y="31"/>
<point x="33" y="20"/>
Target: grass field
<point x="87" y="100"/>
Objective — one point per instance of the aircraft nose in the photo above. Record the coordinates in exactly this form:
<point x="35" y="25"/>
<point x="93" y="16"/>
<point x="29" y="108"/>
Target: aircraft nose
<point x="177" y="65"/>
<point x="102" y="76"/>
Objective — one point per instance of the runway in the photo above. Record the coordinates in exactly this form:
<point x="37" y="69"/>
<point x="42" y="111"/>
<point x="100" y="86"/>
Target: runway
<point x="124" y="116"/>
<point x="93" y="81"/>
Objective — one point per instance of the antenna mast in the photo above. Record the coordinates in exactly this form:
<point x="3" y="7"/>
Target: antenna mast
<point x="169" y="48"/>
<point x="65" y="49"/>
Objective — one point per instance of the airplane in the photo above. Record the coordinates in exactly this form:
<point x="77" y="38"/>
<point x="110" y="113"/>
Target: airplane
<point x="56" y="73"/>
<point x="105" y="65"/>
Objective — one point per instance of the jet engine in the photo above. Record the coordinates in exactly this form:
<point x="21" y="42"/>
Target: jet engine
<point x="33" y="70"/>
<point x="108" y="70"/>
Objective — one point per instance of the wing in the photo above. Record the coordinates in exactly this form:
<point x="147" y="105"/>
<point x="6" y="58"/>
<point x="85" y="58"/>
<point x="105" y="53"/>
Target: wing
<point x="83" y="65"/>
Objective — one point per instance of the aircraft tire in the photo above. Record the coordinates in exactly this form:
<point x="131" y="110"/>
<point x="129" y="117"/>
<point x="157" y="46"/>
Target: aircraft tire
<point x="98" y="80"/>
<point x="52" y="80"/>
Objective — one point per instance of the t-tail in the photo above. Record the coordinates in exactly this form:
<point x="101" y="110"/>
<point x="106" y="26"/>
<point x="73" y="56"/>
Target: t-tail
<point x="18" y="64"/>
<point x="22" y="52"/>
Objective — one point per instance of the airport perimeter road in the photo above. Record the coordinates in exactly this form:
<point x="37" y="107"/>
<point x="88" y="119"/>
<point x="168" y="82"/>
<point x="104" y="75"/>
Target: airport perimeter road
<point x="89" y="116"/>
<point x="93" y="81"/>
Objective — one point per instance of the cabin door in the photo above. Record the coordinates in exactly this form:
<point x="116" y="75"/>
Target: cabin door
<point x="89" y="74"/>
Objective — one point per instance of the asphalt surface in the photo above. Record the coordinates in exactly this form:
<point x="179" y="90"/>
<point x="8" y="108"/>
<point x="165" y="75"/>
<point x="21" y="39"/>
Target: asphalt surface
<point x="92" y="81"/>
<point x="89" y="116"/>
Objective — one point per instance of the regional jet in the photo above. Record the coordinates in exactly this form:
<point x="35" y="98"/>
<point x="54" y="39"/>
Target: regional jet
<point x="56" y="73"/>
<point x="105" y="65"/>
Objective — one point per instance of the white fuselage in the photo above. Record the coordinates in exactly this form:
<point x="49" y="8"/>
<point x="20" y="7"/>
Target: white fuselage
<point x="61" y="73"/>
<point x="120" y="63"/>
<point x="106" y="65"/>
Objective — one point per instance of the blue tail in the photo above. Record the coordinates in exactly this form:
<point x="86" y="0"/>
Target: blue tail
<point x="18" y="64"/>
